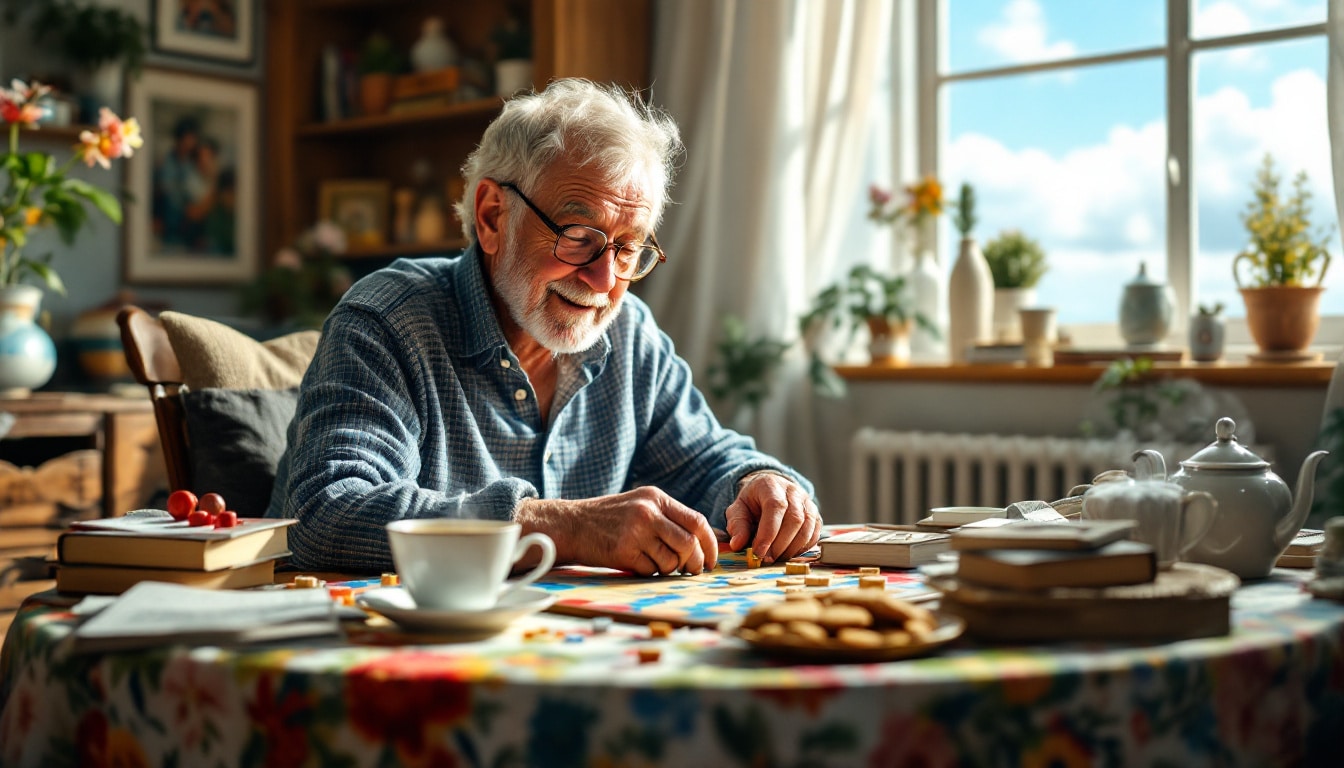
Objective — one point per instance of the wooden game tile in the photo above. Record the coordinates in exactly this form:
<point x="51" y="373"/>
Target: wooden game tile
<point x="649" y="655"/>
<point x="752" y="560"/>
<point x="660" y="629"/>
<point x="797" y="569"/>
<point x="817" y="580"/>
<point x="873" y="582"/>
<point x="389" y="580"/>
<point x="869" y="570"/>
<point x="789" y="581"/>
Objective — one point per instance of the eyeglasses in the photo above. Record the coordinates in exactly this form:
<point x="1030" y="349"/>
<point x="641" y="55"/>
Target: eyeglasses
<point x="579" y="245"/>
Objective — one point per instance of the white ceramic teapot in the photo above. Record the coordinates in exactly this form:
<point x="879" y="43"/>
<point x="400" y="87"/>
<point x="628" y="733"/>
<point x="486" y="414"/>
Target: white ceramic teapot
<point x="1256" y="518"/>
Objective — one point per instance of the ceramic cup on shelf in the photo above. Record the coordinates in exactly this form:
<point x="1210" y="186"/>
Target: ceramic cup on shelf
<point x="463" y="565"/>
<point x="1170" y="519"/>
<point x="1038" y="335"/>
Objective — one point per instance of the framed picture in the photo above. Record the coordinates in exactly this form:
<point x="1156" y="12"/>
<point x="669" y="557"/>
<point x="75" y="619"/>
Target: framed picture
<point x="359" y="207"/>
<point x="195" y="200"/>
<point x="221" y="30"/>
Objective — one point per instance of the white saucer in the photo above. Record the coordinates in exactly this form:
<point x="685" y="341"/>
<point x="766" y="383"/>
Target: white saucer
<point x="397" y="604"/>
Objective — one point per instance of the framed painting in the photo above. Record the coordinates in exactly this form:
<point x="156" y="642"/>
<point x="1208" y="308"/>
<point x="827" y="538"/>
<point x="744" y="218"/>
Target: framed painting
<point x="359" y="207"/>
<point x="218" y="30"/>
<point x="192" y="216"/>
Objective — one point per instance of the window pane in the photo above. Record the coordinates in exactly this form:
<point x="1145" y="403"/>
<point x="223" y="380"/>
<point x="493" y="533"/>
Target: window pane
<point x="1250" y="101"/>
<point x="1219" y="18"/>
<point x="1075" y="160"/>
<point x="997" y="33"/>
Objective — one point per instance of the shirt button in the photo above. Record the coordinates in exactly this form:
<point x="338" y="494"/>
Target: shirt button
<point x="548" y="456"/>
<point x="505" y="364"/>
<point x="520" y="394"/>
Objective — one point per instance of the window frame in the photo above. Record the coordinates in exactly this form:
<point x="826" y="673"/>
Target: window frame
<point x="1179" y="51"/>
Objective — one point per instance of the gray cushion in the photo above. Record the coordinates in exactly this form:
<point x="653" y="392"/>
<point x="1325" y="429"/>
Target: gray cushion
<point x="237" y="437"/>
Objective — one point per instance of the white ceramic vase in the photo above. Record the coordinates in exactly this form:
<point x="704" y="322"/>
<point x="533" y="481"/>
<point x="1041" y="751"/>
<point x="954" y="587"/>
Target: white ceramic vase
<point x="27" y="354"/>
<point x="925" y="283"/>
<point x="433" y="50"/>
<point x="970" y="301"/>
<point x="1007" y="301"/>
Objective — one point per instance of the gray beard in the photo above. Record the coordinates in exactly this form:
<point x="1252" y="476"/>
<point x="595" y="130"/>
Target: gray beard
<point x="526" y="303"/>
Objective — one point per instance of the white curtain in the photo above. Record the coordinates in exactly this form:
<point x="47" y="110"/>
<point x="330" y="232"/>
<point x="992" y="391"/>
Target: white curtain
<point x="1334" y="87"/>
<point x="784" y="107"/>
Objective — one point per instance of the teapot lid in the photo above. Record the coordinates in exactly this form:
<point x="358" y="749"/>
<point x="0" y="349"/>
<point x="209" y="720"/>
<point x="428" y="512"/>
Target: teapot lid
<point x="1225" y="452"/>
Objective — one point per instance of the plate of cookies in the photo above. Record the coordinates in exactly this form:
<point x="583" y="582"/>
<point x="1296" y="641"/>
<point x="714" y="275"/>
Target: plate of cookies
<point x="846" y="625"/>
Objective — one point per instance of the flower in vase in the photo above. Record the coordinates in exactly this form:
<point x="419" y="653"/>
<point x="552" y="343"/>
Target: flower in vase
<point x="39" y="194"/>
<point x="923" y="201"/>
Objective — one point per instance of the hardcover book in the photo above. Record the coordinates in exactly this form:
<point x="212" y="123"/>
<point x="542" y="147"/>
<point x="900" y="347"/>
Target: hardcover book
<point x="894" y="549"/>
<point x="1118" y="563"/>
<point x="1079" y="535"/>
<point x="157" y="541"/>
<point x="115" y="579"/>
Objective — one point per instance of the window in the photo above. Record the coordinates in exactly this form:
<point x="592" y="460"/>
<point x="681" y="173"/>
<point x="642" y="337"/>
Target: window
<point x="1058" y="113"/>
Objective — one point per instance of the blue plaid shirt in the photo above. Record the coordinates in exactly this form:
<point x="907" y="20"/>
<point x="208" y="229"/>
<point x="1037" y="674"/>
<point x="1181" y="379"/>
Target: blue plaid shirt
<point x="414" y="406"/>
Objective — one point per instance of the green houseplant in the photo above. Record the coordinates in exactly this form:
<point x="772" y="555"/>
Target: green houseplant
<point x="84" y="34"/>
<point x="743" y="371"/>
<point x="378" y="63"/>
<point x="1016" y="262"/>
<point x="1284" y="264"/>
<point x="869" y="298"/>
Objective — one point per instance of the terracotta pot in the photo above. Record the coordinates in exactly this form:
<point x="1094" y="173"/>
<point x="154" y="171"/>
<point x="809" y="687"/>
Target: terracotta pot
<point x="1282" y="318"/>
<point x="888" y="342"/>
<point x="375" y="93"/>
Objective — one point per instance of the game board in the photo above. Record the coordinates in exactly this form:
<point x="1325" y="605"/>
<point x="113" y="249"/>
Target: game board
<point x="703" y="600"/>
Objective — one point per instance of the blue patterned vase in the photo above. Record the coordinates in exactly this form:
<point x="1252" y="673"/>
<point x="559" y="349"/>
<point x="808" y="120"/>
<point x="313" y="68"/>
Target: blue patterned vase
<point x="27" y="356"/>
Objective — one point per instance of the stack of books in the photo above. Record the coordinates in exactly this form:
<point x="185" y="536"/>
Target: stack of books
<point x="1302" y="551"/>
<point x="1083" y="580"/>
<point x="110" y="555"/>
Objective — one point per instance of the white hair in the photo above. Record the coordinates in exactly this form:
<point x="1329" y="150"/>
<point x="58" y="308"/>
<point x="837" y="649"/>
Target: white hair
<point x="603" y="127"/>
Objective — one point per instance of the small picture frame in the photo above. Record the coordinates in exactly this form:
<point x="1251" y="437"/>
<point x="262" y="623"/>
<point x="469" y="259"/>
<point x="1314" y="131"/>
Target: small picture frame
<point x="192" y="216"/>
<point x="215" y="30"/>
<point x="359" y="207"/>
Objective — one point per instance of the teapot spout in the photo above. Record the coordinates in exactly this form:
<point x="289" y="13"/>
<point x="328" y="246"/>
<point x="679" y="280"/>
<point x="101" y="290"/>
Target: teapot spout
<point x="1306" y="481"/>
<point x="1149" y="465"/>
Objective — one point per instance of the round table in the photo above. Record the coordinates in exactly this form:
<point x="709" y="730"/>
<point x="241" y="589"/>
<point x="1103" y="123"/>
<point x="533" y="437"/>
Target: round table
<point x="1270" y="693"/>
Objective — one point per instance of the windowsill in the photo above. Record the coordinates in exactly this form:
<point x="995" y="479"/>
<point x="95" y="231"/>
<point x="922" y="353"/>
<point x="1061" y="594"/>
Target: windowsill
<point x="1238" y="373"/>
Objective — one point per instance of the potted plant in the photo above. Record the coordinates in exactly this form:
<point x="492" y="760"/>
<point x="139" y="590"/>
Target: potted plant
<point x="1284" y="264"/>
<point x="93" y="39"/>
<point x="378" y="62"/>
<point x="512" y="42"/>
<point x="868" y="298"/>
<point x="742" y="374"/>
<point x="1017" y="263"/>
<point x="970" y="289"/>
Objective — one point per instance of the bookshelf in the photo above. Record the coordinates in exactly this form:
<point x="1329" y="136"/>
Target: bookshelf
<point x="569" y="38"/>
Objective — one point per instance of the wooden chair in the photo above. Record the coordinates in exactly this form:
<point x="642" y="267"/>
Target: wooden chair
<point x="154" y="364"/>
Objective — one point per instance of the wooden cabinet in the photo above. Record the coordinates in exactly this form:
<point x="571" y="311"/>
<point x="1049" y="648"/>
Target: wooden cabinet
<point x="604" y="40"/>
<point x="66" y="457"/>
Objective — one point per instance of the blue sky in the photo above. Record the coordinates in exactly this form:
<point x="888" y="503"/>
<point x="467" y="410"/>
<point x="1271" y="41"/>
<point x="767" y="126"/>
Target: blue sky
<point x="1076" y="159"/>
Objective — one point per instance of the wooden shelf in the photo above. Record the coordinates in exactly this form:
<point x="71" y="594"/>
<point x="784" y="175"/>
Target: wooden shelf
<point x="405" y="249"/>
<point x="1226" y="373"/>
<point x="478" y="109"/>
<point x="53" y="133"/>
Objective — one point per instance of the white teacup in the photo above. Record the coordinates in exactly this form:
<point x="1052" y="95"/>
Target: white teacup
<point x="462" y="565"/>
<point x="1170" y="519"/>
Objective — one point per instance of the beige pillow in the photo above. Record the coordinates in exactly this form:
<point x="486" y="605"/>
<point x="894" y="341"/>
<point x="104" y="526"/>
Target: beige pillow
<point x="212" y="354"/>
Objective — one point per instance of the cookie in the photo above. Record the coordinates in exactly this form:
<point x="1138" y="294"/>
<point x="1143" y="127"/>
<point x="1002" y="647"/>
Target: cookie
<point x="859" y="637"/>
<point x="837" y="617"/>
<point x="809" y="631"/>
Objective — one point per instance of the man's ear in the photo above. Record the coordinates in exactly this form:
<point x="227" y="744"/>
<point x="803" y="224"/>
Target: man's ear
<point x="489" y="216"/>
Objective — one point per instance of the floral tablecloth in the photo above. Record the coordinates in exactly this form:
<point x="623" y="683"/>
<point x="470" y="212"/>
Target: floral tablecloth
<point x="1271" y="693"/>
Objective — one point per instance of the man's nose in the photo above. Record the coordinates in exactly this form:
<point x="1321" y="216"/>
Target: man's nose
<point x="600" y="275"/>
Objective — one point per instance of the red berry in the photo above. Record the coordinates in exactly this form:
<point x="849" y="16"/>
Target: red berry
<point x="198" y="517"/>
<point x="180" y="504"/>
<point x="212" y="503"/>
<point x="226" y="519"/>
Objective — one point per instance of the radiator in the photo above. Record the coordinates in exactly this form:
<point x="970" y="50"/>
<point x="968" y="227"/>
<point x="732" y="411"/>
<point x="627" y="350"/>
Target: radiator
<point x="898" y="476"/>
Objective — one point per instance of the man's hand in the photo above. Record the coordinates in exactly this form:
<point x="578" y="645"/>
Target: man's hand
<point x="644" y="531"/>
<point x="783" y="517"/>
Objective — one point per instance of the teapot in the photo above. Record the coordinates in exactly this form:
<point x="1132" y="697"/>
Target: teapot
<point x="1256" y="517"/>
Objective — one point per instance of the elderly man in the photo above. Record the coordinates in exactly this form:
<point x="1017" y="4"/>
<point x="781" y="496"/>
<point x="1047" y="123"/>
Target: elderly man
<point x="520" y="380"/>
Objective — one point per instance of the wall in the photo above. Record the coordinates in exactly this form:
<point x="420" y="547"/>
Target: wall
<point x="91" y="267"/>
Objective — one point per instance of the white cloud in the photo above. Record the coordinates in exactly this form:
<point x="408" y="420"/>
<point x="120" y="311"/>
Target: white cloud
<point x="1100" y="209"/>
<point x="1021" y="35"/>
